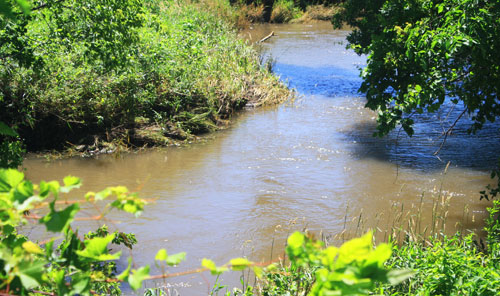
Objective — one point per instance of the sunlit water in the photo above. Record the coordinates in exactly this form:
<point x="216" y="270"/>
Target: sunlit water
<point x="312" y="164"/>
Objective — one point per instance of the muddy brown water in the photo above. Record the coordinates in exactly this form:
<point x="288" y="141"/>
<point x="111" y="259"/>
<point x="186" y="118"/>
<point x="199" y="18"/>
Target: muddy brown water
<point x="312" y="164"/>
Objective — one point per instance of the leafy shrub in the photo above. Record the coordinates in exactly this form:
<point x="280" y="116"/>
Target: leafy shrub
<point x="451" y="266"/>
<point x="11" y="148"/>
<point x="75" y="266"/>
<point x="352" y="269"/>
<point x="284" y="11"/>
<point x="69" y="72"/>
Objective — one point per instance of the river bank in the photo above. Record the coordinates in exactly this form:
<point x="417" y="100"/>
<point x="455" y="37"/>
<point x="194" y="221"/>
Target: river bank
<point x="159" y="74"/>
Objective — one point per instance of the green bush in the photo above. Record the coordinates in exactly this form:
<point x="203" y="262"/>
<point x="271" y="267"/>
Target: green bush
<point x="69" y="72"/>
<point x="451" y="265"/>
<point x="284" y="11"/>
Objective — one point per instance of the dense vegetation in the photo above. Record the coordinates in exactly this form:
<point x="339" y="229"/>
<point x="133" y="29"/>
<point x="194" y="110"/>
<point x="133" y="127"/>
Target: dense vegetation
<point x="283" y="11"/>
<point x="135" y="72"/>
<point x="423" y="53"/>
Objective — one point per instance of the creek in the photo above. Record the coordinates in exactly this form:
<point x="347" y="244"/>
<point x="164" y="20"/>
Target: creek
<point x="309" y="164"/>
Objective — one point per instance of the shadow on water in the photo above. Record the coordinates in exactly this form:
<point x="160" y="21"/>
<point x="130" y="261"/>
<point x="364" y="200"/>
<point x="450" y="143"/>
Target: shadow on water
<point x="478" y="151"/>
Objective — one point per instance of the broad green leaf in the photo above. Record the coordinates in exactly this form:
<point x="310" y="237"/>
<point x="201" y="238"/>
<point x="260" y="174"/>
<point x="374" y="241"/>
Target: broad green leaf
<point x="214" y="270"/>
<point x="59" y="221"/>
<point x="271" y="267"/>
<point x="137" y="276"/>
<point x="380" y="255"/>
<point x="97" y="249"/>
<point x="124" y="275"/>
<point x="258" y="271"/>
<point x="10" y="178"/>
<point x="49" y="247"/>
<point x="356" y="249"/>
<point x="24" y="190"/>
<point x="296" y="240"/>
<point x="24" y="5"/>
<point x="30" y="273"/>
<point x="161" y="255"/>
<point x="80" y="284"/>
<point x="7" y="131"/>
<point x="33" y="248"/>
<point x="239" y="263"/>
<point x="128" y="202"/>
<point x="330" y="254"/>
<point x="175" y="259"/>
<point x="70" y="183"/>
<point x="103" y="194"/>
<point x="47" y="187"/>
<point x="397" y="276"/>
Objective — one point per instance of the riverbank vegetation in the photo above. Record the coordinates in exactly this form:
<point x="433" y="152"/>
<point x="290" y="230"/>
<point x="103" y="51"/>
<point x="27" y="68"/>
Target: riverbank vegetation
<point x="284" y="11"/>
<point x="93" y="75"/>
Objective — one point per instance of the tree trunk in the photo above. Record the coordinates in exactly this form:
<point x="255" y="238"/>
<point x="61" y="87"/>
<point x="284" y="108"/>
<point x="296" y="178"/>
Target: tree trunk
<point x="268" y="9"/>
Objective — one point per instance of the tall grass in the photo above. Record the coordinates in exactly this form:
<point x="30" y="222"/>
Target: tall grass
<point x="446" y="259"/>
<point x="185" y="73"/>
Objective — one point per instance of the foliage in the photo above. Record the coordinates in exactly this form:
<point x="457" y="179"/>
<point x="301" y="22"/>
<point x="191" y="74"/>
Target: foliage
<point x="352" y="269"/>
<point x="11" y="148"/>
<point x="72" y="70"/>
<point x="492" y="190"/>
<point x="284" y="11"/>
<point x="76" y="265"/>
<point x="425" y="53"/>
<point x="451" y="266"/>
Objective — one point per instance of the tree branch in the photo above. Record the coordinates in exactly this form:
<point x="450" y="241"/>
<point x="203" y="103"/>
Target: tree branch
<point x="449" y="132"/>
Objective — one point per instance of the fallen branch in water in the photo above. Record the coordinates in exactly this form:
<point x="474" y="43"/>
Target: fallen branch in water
<point x="267" y="37"/>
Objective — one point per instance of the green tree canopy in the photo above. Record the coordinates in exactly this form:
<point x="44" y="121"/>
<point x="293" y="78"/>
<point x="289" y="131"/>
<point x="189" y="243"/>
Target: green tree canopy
<point x="422" y="53"/>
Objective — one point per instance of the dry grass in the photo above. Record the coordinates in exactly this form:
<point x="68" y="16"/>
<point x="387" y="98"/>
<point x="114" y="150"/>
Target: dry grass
<point x="317" y="13"/>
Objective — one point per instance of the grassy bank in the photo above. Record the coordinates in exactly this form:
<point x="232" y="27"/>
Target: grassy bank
<point x="75" y="74"/>
<point x="425" y="265"/>
<point x="284" y="11"/>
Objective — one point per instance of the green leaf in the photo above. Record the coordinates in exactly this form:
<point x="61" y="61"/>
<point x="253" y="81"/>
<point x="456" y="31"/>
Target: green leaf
<point x="24" y="5"/>
<point x="239" y="263"/>
<point x="258" y="271"/>
<point x="356" y="249"/>
<point x="70" y="183"/>
<point x="10" y="178"/>
<point x="296" y="240"/>
<point x="47" y="187"/>
<point x="80" y="283"/>
<point x="59" y="221"/>
<point x="24" y="190"/>
<point x="397" y="276"/>
<point x="125" y="274"/>
<point x="135" y="279"/>
<point x="7" y="131"/>
<point x="161" y="255"/>
<point x="97" y="249"/>
<point x="101" y="195"/>
<point x="32" y="248"/>
<point x="210" y="265"/>
<point x="380" y="255"/>
<point x="175" y="259"/>
<point x="30" y="273"/>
